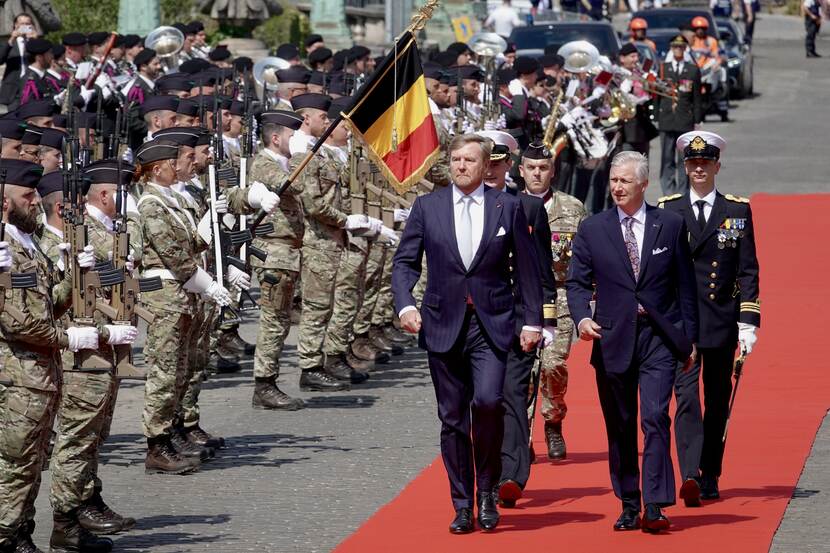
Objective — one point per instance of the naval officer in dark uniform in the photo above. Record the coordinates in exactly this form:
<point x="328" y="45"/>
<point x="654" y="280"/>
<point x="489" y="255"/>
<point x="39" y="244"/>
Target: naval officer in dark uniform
<point x="722" y="242"/>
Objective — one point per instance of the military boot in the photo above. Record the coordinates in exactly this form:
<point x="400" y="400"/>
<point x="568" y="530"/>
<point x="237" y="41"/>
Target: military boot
<point x="90" y="518"/>
<point x="396" y="336"/>
<point x="70" y="537"/>
<point x="223" y="360"/>
<point x="555" y="441"/>
<point x="163" y="459"/>
<point x="127" y="523"/>
<point x="318" y="380"/>
<point x="381" y="342"/>
<point x="363" y="348"/>
<point x="24" y="543"/>
<point x="337" y="367"/>
<point x="196" y="435"/>
<point x="231" y="340"/>
<point x="267" y="395"/>
<point x="357" y="363"/>
<point x="188" y="449"/>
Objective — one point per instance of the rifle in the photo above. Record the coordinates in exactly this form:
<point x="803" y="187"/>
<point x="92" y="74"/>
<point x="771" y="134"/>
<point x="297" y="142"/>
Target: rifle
<point x="460" y="108"/>
<point x="737" y="371"/>
<point x="356" y="193"/>
<point x="99" y="130"/>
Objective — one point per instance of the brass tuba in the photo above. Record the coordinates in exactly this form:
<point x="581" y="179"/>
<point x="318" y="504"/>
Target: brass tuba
<point x="488" y="46"/>
<point x="580" y="56"/>
<point x="265" y="75"/>
<point x="167" y="43"/>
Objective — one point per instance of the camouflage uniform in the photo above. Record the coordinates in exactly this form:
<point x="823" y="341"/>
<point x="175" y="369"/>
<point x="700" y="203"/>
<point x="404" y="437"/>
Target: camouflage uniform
<point x="564" y="215"/>
<point x="384" y="312"/>
<point x="372" y="286"/>
<point x="323" y="249"/>
<point x="277" y="275"/>
<point x="172" y="251"/>
<point x="30" y="356"/>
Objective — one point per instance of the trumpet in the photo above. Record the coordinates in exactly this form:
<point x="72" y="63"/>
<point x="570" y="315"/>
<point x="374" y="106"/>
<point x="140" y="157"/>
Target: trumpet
<point x="649" y="81"/>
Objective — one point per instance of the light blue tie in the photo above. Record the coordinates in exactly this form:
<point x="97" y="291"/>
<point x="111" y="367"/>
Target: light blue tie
<point x="465" y="234"/>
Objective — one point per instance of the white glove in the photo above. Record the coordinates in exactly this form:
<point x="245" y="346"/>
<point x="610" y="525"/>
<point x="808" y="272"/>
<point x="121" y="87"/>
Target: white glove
<point x="130" y="263"/>
<point x="401" y="215"/>
<point x="375" y="225"/>
<point x="87" y="93"/>
<point x="121" y="334"/>
<point x="354" y="222"/>
<point x="82" y="337"/>
<point x="491" y="125"/>
<point x="5" y="256"/>
<point x="221" y="204"/>
<point x="219" y="294"/>
<point x="86" y="259"/>
<point x="747" y="337"/>
<point x="238" y="278"/>
<point x="59" y="98"/>
<point x="390" y="235"/>
<point x="104" y="82"/>
<point x="259" y="197"/>
<point x="548" y="336"/>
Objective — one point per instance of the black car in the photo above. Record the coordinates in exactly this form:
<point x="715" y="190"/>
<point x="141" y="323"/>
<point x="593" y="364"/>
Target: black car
<point x="674" y="18"/>
<point x="740" y="62"/>
<point x="532" y="40"/>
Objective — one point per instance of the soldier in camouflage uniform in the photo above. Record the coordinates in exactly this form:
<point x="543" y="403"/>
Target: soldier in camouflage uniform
<point x="30" y="344"/>
<point x="564" y="215"/>
<point x="362" y="347"/>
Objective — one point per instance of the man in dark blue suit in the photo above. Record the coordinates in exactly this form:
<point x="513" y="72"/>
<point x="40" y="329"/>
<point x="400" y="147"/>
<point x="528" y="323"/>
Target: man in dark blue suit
<point x="467" y="318"/>
<point x="634" y="261"/>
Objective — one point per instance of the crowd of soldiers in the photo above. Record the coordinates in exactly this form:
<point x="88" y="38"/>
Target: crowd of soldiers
<point x="136" y="185"/>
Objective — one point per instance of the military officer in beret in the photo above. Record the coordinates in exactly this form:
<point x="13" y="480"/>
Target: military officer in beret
<point x="722" y="240"/>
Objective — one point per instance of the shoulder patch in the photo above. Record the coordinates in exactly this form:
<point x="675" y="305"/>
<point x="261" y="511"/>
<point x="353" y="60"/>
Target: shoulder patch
<point x="738" y="199"/>
<point x="664" y="199"/>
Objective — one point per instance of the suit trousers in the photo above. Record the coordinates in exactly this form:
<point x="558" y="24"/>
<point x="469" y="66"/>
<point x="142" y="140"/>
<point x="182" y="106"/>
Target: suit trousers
<point x="515" y="451"/>
<point x="673" y="178"/>
<point x="468" y="380"/>
<point x="652" y="369"/>
<point x="812" y="29"/>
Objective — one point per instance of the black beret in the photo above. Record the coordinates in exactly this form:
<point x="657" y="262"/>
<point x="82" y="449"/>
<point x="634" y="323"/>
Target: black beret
<point x="432" y="70"/>
<point x="318" y="78"/>
<point x="446" y="59"/>
<point x="220" y="53"/>
<point x="119" y="42"/>
<point x="525" y="65"/>
<point x="53" y="138"/>
<point x="243" y="63"/>
<point x="537" y="150"/>
<point x="37" y="108"/>
<point x="156" y="150"/>
<point x="50" y="183"/>
<point x="551" y="60"/>
<point x="144" y="57"/>
<point x="237" y="108"/>
<point x="448" y="78"/>
<point x="180" y="26"/>
<point x="338" y="105"/>
<point x="357" y="52"/>
<point x="74" y="39"/>
<point x="312" y="38"/>
<point x="32" y="135"/>
<point x="203" y="78"/>
<point x="205" y="136"/>
<point x="37" y="46"/>
<point x="337" y="83"/>
<point x="288" y="52"/>
<point x="458" y="48"/>
<point x="12" y="128"/>
<point x="339" y="58"/>
<point x="194" y="66"/>
<point x="628" y="48"/>
<point x="105" y="171"/>
<point x="58" y="50"/>
<point x="511" y="48"/>
<point x="166" y="102"/>
<point x="21" y="172"/>
<point x="294" y="75"/>
<point x="59" y="120"/>
<point x="131" y="40"/>
<point x="97" y="38"/>
<point x="282" y="118"/>
<point x="320" y="55"/>
<point x="504" y="76"/>
<point x="311" y="100"/>
<point x="195" y="27"/>
<point x="188" y="107"/>
<point x="207" y="100"/>
<point x="177" y="82"/>
<point x="469" y="71"/>
<point x="183" y="136"/>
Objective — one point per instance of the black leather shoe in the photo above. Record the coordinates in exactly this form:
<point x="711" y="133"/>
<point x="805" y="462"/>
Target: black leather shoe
<point x="488" y="511"/>
<point x="463" y="521"/>
<point x="320" y="381"/>
<point x="509" y="493"/>
<point x="629" y="520"/>
<point x="709" y="487"/>
<point x="654" y="520"/>
<point x="690" y="493"/>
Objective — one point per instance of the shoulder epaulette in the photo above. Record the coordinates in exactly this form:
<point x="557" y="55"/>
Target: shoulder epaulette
<point x="738" y="199"/>
<point x="665" y="199"/>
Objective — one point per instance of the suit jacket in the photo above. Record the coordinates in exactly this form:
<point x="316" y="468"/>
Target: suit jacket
<point x="688" y="111"/>
<point x="10" y="86"/>
<point x="727" y="274"/>
<point x="639" y="128"/>
<point x="665" y="288"/>
<point x="430" y="230"/>
<point x="539" y="227"/>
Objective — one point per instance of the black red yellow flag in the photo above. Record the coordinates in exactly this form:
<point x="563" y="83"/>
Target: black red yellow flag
<point x="391" y="115"/>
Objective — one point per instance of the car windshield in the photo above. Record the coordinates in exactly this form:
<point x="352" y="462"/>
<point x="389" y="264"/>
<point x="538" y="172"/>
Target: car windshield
<point x="537" y="38"/>
<point x="731" y="40"/>
<point x="657" y="19"/>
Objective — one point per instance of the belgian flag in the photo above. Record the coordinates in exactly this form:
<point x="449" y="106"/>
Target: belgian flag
<point x="391" y="115"/>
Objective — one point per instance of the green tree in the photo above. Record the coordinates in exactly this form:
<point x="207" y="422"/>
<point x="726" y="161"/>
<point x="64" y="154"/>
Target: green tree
<point x="290" y="26"/>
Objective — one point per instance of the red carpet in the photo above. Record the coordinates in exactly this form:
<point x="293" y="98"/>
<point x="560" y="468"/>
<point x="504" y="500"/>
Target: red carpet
<point x="782" y="400"/>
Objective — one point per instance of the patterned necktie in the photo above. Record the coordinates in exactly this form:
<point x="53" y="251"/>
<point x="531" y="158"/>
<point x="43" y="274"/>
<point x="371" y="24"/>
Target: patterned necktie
<point x="465" y="241"/>
<point x="631" y="246"/>
<point x="701" y="216"/>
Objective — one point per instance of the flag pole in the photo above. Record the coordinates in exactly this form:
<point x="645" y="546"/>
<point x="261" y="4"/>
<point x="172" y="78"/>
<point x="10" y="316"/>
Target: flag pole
<point x="417" y="23"/>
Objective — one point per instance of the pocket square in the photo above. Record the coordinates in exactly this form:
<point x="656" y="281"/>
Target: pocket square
<point x="658" y="251"/>
<point x="501" y="232"/>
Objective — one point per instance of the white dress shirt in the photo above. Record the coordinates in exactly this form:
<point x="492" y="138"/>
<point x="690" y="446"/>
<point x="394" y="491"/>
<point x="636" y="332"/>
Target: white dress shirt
<point x="639" y="226"/>
<point x="708" y="198"/>
<point x="503" y="19"/>
<point x="476" y="214"/>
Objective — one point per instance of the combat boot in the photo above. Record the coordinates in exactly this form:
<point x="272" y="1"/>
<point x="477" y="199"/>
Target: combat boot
<point x="223" y="360"/>
<point x="381" y="342"/>
<point x="231" y="340"/>
<point x="90" y="518"/>
<point x="396" y="336"/>
<point x="163" y="459"/>
<point x="318" y="380"/>
<point x="187" y="449"/>
<point x="267" y="395"/>
<point x="363" y="348"/>
<point x="196" y="435"/>
<point x="69" y="537"/>
<point x="555" y="441"/>
<point x="24" y="543"/>
<point x="358" y="364"/>
<point x="127" y="523"/>
<point x="337" y="367"/>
